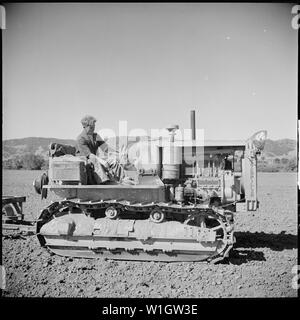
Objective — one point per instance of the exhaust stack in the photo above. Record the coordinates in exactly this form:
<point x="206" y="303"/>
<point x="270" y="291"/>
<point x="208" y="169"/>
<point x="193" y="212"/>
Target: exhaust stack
<point x="193" y="125"/>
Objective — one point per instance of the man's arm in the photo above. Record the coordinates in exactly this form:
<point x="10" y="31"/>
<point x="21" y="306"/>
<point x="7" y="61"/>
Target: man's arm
<point x="83" y="147"/>
<point x="106" y="148"/>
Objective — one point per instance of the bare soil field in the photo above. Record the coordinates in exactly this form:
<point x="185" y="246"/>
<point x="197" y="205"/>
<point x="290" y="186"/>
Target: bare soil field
<point x="260" y="264"/>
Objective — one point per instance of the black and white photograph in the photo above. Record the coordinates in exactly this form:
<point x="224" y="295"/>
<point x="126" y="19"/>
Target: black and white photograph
<point x="149" y="150"/>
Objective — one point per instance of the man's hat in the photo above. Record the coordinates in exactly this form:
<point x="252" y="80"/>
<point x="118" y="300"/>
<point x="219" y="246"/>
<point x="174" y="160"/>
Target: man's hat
<point x="88" y="120"/>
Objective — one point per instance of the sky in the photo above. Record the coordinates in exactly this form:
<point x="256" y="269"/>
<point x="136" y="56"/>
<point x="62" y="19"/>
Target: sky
<point x="150" y="64"/>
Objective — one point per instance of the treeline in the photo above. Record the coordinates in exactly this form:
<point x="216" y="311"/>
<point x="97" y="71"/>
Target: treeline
<point x="278" y="165"/>
<point x="28" y="161"/>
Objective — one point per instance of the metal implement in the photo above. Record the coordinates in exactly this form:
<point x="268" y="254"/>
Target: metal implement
<point x="13" y="217"/>
<point x="12" y="208"/>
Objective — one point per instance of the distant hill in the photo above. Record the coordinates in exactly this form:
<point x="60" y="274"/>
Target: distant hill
<point x="279" y="147"/>
<point x="35" y="145"/>
<point x="278" y="155"/>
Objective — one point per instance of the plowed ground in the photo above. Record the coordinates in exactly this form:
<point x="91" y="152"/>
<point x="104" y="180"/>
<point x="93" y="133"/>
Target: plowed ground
<point x="259" y="266"/>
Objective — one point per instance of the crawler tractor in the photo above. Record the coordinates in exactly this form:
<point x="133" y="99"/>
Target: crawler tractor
<point x="181" y="206"/>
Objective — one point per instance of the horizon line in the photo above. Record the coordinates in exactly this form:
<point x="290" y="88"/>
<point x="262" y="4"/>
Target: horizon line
<point x="39" y="137"/>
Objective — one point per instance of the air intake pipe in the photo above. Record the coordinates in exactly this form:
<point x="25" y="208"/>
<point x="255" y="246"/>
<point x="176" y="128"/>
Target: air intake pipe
<point x="193" y="124"/>
<point x="193" y="128"/>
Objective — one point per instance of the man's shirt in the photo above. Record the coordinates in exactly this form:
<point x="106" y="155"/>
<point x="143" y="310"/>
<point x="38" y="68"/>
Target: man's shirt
<point x="87" y="144"/>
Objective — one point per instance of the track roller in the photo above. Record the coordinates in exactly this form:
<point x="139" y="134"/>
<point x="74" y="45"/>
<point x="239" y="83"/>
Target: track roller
<point x="112" y="212"/>
<point x="157" y="216"/>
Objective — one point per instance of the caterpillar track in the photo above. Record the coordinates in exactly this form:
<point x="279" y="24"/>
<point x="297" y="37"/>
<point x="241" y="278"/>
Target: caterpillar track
<point x="124" y="230"/>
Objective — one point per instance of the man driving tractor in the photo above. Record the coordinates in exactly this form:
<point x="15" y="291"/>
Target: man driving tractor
<point x="88" y="143"/>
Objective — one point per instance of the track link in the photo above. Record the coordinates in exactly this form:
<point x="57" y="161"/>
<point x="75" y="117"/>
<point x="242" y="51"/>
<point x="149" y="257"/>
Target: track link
<point x="220" y="220"/>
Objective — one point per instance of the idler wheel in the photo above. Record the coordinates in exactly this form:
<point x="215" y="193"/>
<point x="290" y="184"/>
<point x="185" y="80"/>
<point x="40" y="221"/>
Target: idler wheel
<point x="157" y="216"/>
<point x="111" y="212"/>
